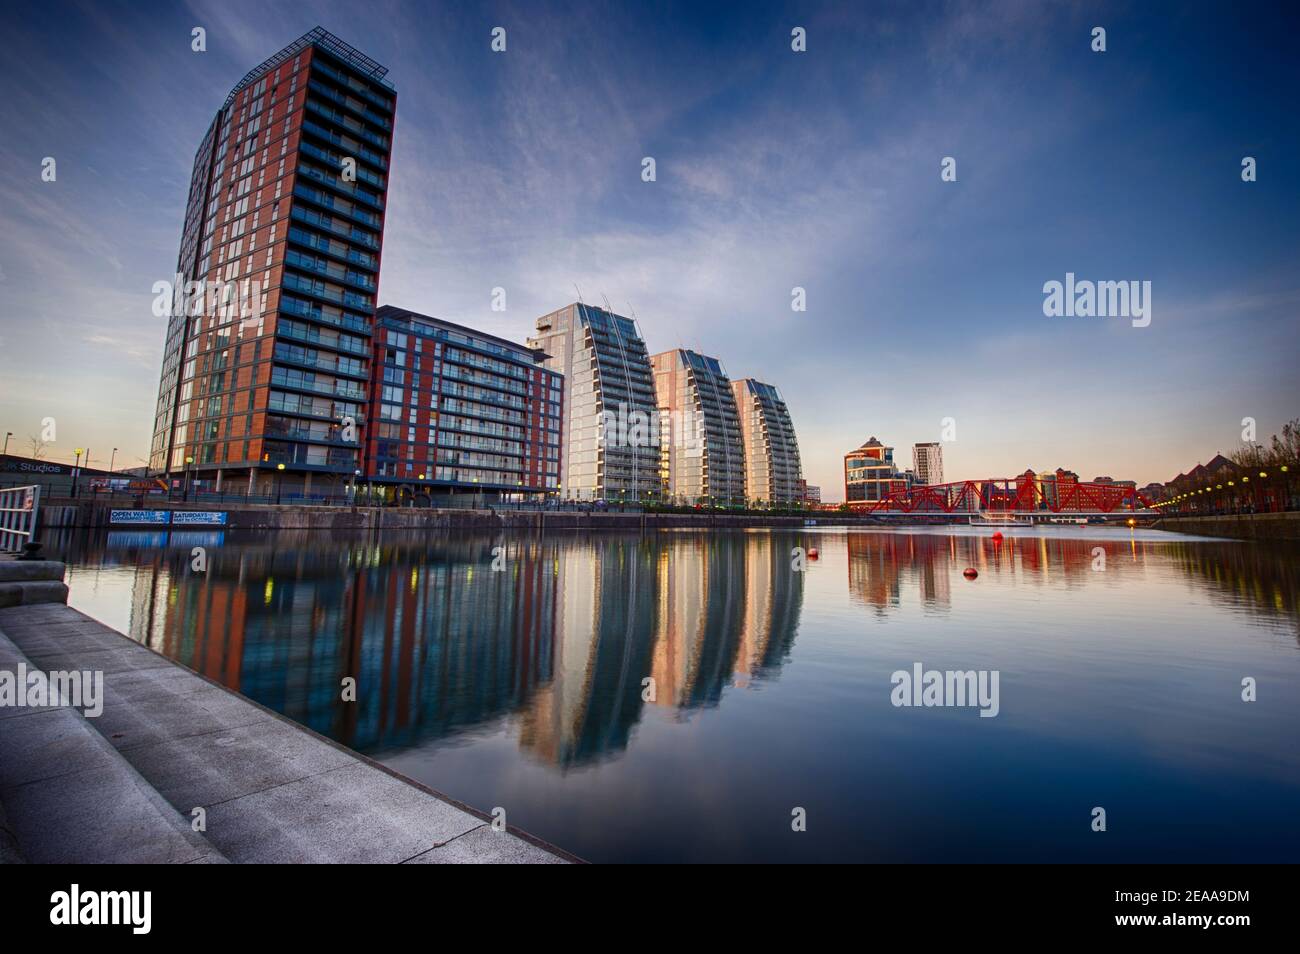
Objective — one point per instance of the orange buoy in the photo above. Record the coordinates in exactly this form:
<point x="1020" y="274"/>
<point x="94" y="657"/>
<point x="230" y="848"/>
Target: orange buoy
<point x="997" y="536"/>
<point x="970" y="573"/>
<point x="812" y="553"/>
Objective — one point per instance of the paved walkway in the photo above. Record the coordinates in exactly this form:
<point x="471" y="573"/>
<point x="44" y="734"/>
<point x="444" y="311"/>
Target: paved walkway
<point x="124" y="786"/>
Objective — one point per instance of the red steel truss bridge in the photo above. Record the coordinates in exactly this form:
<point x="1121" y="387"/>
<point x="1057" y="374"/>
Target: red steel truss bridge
<point x="1012" y="496"/>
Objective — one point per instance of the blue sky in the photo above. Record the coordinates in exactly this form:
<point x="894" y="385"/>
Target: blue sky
<point x="775" y="169"/>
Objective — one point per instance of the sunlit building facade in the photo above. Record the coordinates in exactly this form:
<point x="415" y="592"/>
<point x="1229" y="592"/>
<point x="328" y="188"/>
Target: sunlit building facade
<point x="454" y="409"/>
<point x="927" y="462"/>
<point x="609" y="444"/>
<point x="286" y="205"/>
<point x="702" y="456"/>
<point x="773" y="472"/>
<point x="870" y="474"/>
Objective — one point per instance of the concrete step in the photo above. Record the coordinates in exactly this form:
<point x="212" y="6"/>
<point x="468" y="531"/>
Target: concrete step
<point x="69" y="797"/>
<point x="27" y="571"/>
<point x="33" y="592"/>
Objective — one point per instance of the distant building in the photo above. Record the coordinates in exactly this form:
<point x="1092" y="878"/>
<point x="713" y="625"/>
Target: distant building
<point x="1027" y="489"/>
<point x="57" y="478"/>
<point x="456" y="409"/>
<point x="812" y="494"/>
<point x="701" y="451"/>
<point x="927" y="461"/>
<point x="1066" y="481"/>
<point x="1047" y="489"/>
<point x="870" y="474"/>
<point x="772" y="465"/>
<point x="609" y="446"/>
<point x="1153" y="491"/>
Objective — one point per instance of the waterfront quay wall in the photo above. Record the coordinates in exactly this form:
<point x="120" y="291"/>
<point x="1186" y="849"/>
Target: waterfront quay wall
<point x="1240" y="526"/>
<point x="365" y="519"/>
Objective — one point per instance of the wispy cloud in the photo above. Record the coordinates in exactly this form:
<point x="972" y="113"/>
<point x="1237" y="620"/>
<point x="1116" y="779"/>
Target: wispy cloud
<point x="775" y="169"/>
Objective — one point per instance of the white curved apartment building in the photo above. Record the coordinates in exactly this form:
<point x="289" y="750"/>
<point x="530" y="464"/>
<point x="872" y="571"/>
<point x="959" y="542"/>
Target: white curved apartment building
<point x="772" y="468"/>
<point x="610" y="445"/>
<point x="702" y="455"/>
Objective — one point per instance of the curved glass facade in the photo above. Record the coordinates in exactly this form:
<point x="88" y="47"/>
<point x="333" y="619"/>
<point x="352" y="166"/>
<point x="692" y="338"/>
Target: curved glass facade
<point x="772" y="468"/>
<point x="702" y="456"/>
<point x="610" y="442"/>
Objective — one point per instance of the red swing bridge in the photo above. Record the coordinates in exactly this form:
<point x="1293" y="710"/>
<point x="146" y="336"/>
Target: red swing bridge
<point x="1012" y="499"/>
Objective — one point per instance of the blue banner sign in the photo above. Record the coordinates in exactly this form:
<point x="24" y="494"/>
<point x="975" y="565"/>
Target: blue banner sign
<point x="140" y="516"/>
<point x="213" y="517"/>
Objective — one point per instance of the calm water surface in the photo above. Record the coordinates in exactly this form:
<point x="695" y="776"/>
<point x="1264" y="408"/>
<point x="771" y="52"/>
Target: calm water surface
<point x="527" y="688"/>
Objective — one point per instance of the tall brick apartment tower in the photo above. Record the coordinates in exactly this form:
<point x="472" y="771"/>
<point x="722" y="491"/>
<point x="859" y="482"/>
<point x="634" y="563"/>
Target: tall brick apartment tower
<point x="287" y="195"/>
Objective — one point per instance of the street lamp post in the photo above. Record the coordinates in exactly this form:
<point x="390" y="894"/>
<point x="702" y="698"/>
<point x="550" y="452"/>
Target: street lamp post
<point x="112" y="459"/>
<point x="8" y="434"/>
<point x="279" y="482"/>
<point x="185" y="492"/>
<point x="76" y="472"/>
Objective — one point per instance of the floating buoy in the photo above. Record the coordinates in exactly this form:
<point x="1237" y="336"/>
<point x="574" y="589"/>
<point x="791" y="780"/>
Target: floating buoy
<point x="997" y="536"/>
<point x="970" y="573"/>
<point x="812" y="553"/>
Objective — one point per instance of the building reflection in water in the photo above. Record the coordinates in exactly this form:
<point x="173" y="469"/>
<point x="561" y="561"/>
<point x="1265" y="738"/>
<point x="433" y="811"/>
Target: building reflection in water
<point x="564" y="638"/>
<point x="883" y="567"/>
<point x="603" y="637"/>
<point x="527" y="686"/>
<point x="1263" y="582"/>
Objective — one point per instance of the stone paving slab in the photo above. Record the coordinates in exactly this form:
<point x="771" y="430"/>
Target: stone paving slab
<point x="48" y="743"/>
<point x="100" y="816"/>
<point x="273" y="791"/>
<point x="101" y="660"/>
<point x="484" y="845"/>
<point x="354" y="813"/>
<point x="227" y="764"/>
<point x="152" y="715"/>
<point x="69" y="797"/>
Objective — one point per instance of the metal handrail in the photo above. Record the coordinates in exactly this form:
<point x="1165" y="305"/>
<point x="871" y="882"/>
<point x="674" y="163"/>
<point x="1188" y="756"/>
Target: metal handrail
<point x="19" y="512"/>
